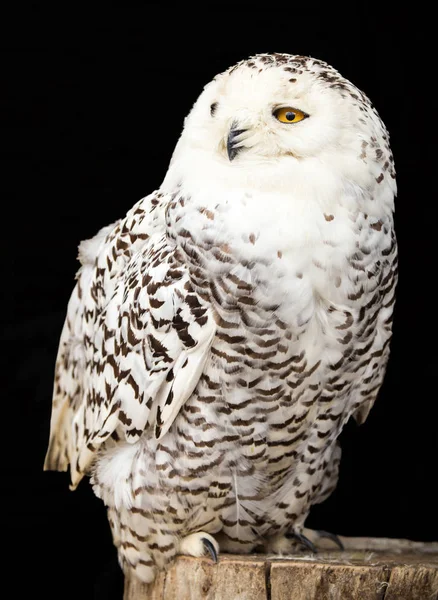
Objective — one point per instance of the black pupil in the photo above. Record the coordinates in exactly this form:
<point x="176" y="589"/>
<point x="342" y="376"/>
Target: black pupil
<point x="213" y="108"/>
<point x="290" y="116"/>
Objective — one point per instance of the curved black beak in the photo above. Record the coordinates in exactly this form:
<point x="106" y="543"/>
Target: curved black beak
<point x="232" y="145"/>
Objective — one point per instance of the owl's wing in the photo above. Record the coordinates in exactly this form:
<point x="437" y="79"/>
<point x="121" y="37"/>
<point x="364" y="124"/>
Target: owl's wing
<point x="133" y="347"/>
<point x="377" y="314"/>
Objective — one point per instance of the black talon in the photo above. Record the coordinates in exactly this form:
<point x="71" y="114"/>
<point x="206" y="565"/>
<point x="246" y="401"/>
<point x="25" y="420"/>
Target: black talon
<point x="210" y="548"/>
<point x="331" y="536"/>
<point x="303" y="540"/>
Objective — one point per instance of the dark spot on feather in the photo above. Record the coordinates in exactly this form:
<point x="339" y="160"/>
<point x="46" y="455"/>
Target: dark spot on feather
<point x="208" y="213"/>
<point x="181" y="327"/>
<point x="158" y="349"/>
<point x="169" y="398"/>
<point x="131" y="381"/>
<point x="121" y="245"/>
<point x="156" y="303"/>
<point x="124" y="419"/>
<point x="134" y="432"/>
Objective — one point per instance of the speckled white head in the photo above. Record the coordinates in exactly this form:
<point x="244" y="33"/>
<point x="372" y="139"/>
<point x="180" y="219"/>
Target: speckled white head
<point x="239" y="124"/>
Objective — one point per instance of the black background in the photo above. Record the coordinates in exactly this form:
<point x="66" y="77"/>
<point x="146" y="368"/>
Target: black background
<point x="92" y="107"/>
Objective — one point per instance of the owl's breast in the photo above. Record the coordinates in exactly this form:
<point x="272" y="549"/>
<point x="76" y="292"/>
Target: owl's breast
<point x="284" y="253"/>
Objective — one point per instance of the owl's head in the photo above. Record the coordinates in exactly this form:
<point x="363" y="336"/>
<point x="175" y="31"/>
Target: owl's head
<point x="288" y="114"/>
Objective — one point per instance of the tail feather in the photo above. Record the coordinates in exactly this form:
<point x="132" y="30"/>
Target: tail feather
<point x="57" y="456"/>
<point x="61" y="452"/>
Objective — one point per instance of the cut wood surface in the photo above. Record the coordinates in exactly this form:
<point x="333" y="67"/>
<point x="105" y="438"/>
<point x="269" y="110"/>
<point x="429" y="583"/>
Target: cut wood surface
<point x="328" y="575"/>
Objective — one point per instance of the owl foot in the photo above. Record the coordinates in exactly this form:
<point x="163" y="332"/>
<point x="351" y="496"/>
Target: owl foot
<point x="331" y="536"/>
<point x="323" y="540"/>
<point x="199" y="544"/>
<point x="309" y="539"/>
<point x="288" y="543"/>
<point x="302" y="540"/>
<point x="210" y="548"/>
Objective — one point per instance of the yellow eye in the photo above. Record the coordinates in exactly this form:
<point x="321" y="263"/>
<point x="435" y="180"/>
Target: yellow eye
<point x="287" y="114"/>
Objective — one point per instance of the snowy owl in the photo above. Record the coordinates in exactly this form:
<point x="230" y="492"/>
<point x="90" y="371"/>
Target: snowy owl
<point x="223" y="332"/>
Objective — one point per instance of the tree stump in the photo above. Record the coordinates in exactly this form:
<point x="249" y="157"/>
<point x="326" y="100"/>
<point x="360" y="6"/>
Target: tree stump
<point x="382" y="573"/>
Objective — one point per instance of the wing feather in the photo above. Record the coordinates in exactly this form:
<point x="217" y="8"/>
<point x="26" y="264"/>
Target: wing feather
<point x="381" y="312"/>
<point x="134" y="344"/>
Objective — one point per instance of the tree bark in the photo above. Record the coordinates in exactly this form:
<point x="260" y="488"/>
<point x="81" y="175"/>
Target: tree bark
<point x="380" y="570"/>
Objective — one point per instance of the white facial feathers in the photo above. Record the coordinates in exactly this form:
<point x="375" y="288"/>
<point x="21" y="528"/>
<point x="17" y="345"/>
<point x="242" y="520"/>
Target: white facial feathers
<point x="343" y="132"/>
